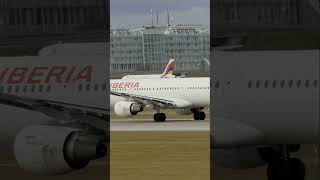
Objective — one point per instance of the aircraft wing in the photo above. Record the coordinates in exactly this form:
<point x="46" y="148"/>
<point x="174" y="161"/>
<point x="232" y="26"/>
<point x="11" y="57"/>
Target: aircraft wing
<point x="62" y="113"/>
<point x="154" y="100"/>
<point x="229" y="133"/>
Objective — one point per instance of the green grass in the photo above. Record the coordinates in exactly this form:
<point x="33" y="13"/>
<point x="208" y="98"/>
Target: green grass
<point x="160" y="155"/>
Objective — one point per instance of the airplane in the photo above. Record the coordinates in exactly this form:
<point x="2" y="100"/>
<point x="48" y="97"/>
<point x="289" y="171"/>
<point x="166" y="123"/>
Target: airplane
<point x="167" y="73"/>
<point x="54" y="112"/>
<point x="265" y="108"/>
<point x="185" y="95"/>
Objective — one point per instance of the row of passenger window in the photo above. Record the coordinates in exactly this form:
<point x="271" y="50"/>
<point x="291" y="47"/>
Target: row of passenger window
<point x="164" y="88"/>
<point x="283" y="84"/>
<point x="276" y="84"/>
<point x="25" y="88"/>
<point x="47" y="88"/>
<point x="89" y="87"/>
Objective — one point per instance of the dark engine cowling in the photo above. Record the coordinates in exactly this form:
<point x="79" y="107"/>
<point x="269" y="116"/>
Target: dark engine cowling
<point x="52" y="150"/>
<point x="125" y="108"/>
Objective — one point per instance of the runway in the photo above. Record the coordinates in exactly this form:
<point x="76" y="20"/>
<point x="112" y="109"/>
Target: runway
<point x="150" y="125"/>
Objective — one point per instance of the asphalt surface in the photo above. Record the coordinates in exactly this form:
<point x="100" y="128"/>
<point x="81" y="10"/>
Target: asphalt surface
<point x="96" y="170"/>
<point x="150" y="125"/>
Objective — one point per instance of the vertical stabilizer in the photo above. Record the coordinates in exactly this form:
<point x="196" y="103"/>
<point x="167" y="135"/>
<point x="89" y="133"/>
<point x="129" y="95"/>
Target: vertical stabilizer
<point x="169" y="68"/>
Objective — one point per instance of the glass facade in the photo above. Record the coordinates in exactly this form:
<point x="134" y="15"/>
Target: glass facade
<point x="148" y="49"/>
<point x="43" y="17"/>
<point x="232" y="16"/>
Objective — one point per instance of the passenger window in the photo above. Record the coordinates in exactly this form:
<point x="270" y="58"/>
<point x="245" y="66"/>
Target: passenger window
<point x="298" y="83"/>
<point x="266" y="84"/>
<point x="315" y="83"/>
<point x="9" y="88"/>
<point x="290" y="83"/>
<point x="40" y="88"/>
<point x="96" y="86"/>
<point x="33" y="88"/>
<point x="258" y="84"/>
<point x="80" y="87"/>
<point x="228" y="83"/>
<point x="306" y="84"/>
<point x="282" y="83"/>
<point x="88" y="87"/>
<point x="25" y="88"/>
<point x="48" y="88"/>
<point x="250" y="84"/>
<point x="17" y="89"/>
<point x="274" y="84"/>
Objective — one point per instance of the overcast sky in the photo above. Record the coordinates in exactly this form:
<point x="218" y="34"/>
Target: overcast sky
<point x="135" y="13"/>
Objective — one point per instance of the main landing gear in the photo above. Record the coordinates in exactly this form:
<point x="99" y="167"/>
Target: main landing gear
<point x="159" y="117"/>
<point x="198" y="114"/>
<point x="285" y="167"/>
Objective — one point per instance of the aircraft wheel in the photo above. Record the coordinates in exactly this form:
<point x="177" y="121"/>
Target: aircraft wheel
<point x="196" y="116"/>
<point x="156" y="117"/>
<point x="202" y="116"/>
<point x="163" y="117"/>
<point x="292" y="169"/>
<point x="159" y="117"/>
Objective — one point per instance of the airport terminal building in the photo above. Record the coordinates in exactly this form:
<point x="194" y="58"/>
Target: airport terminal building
<point x="44" y="17"/>
<point x="148" y="49"/>
<point x="237" y="16"/>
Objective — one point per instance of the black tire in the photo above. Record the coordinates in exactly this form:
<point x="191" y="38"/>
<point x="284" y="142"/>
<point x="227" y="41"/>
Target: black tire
<point x="202" y="116"/>
<point x="292" y="169"/>
<point x="156" y="117"/>
<point x="196" y="116"/>
<point x="163" y="117"/>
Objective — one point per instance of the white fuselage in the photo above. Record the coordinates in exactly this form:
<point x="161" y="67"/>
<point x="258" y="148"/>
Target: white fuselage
<point x="193" y="90"/>
<point x="149" y="76"/>
<point x="72" y="82"/>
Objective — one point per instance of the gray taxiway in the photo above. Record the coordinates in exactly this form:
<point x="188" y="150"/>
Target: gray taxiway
<point x="150" y="125"/>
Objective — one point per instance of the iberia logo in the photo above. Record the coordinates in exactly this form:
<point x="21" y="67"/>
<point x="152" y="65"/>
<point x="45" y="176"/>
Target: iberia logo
<point x="118" y="85"/>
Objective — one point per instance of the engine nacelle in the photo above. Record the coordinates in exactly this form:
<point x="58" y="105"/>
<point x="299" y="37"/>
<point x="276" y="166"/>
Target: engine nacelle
<point x="52" y="150"/>
<point x="239" y="158"/>
<point x="184" y="111"/>
<point x="125" y="108"/>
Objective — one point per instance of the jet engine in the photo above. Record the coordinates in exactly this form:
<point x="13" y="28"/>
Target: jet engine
<point x="239" y="158"/>
<point x="184" y="111"/>
<point x="125" y="108"/>
<point x="52" y="150"/>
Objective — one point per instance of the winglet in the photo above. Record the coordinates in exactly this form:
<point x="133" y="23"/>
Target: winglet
<point x="169" y="68"/>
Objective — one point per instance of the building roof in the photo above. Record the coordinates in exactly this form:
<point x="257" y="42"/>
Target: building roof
<point x="174" y="29"/>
